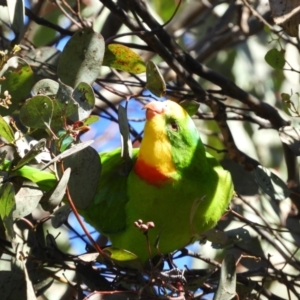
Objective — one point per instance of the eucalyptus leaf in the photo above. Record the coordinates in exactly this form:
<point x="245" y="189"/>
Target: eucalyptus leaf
<point x="18" y="82"/>
<point x="227" y="284"/>
<point x="123" y="258"/>
<point x="190" y="106"/>
<point x="27" y="199"/>
<point x="51" y="199"/>
<point x="81" y="58"/>
<point x="6" y="131"/>
<point x="83" y="94"/>
<point x="60" y="216"/>
<point x="123" y="58"/>
<point x="155" y="82"/>
<point x="7" y="206"/>
<point x="271" y="184"/>
<point x="275" y="58"/>
<point x="85" y="176"/>
<point x="125" y="139"/>
<point x="74" y="149"/>
<point x="45" y="87"/>
<point x="31" y="154"/>
<point x="37" y="112"/>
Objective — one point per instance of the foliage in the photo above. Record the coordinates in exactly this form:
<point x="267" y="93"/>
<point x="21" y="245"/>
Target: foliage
<point x="225" y="57"/>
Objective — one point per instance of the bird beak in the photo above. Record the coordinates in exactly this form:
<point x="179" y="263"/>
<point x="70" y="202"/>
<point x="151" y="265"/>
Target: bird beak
<point x="155" y="108"/>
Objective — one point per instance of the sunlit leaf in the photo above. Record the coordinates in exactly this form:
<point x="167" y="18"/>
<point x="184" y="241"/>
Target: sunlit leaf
<point x="31" y="154"/>
<point x="7" y="206"/>
<point x="271" y="184"/>
<point x="27" y="199"/>
<point x="18" y="82"/>
<point x="123" y="58"/>
<point x="125" y="139"/>
<point x="6" y="131"/>
<point x="155" y="82"/>
<point x="123" y="258"/>
<point x="81" y="58"/>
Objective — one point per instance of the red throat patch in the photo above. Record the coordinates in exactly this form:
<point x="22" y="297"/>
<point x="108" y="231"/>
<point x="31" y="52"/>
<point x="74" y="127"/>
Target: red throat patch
<point x="150" y="174"/>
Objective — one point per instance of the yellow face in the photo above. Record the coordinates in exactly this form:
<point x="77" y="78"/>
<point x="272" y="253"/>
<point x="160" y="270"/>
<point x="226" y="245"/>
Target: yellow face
<point x="156" y="149"/>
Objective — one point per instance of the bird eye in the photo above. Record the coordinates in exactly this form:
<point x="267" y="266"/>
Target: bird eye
<point x="174" y="126"/>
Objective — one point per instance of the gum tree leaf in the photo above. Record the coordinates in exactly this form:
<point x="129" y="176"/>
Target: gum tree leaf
<point x="125" y="139"/>
<point x="51" y="199"/>
<point x="275" y="58"/>
<point x="83" y="94"/>
<point x="37" y="112"/>
<point x="86" y="169"/>
<point x="45" y="87"/>
<point x="123" y="58"/>
<point x="76" y="148"/>
<point x="7" y="206"/>
<point x="155" y="82"/>
<point x="60" y="216"/>
<point x="31" y="154"/>
<point x="227" y="284"/>
<point x="190" y="106"/>
<point x="43" y="60"/>
<point x="6" y="131"/>
<point x="123" y="258"/>
<point x="19" y="80"/>
<point x="81" y="58"/>
<point x="27" y="199"/>
<point x="271" y="184"/>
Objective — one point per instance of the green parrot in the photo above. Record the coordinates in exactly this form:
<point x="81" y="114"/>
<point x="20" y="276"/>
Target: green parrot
<point x="173" y="183"/>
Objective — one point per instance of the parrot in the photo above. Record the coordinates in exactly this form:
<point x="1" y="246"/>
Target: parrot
<point x="174" y="184"/>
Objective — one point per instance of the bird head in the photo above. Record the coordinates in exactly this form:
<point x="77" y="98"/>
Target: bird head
<point x="170" y="139"/>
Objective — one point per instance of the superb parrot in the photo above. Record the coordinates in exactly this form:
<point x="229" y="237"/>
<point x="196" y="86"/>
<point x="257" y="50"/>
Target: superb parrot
<point x="173" y="183"/>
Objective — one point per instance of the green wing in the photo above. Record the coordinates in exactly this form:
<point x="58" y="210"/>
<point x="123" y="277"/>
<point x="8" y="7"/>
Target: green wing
<point x="107" y="211"/>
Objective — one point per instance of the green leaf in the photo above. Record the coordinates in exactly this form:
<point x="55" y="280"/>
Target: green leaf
<point x="227" y="284"/>
<point x="190" y="106"/>
<point x="81" y="58"/>
<point x="31" y="154"/>
<point x="27" y="199"/>
<point x="123" y="258"/>
<point x="37" y="112"/>
<point x="90" y="120"/>
<point x="123" y="58"/>
<point x="45" y="87"/>
<point x="7" y="206"/>
<point x="6" y="131"/>
<point x="83" y="94"/>
<point x="271" y="184"/>
<point x="155" y="82"/>
<point x="85" y="168"/>
<point x="275" y="58"/>
<point x="125" y="139"/>
<point x="19" y="80"/>
<point x="52" y="198"/>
